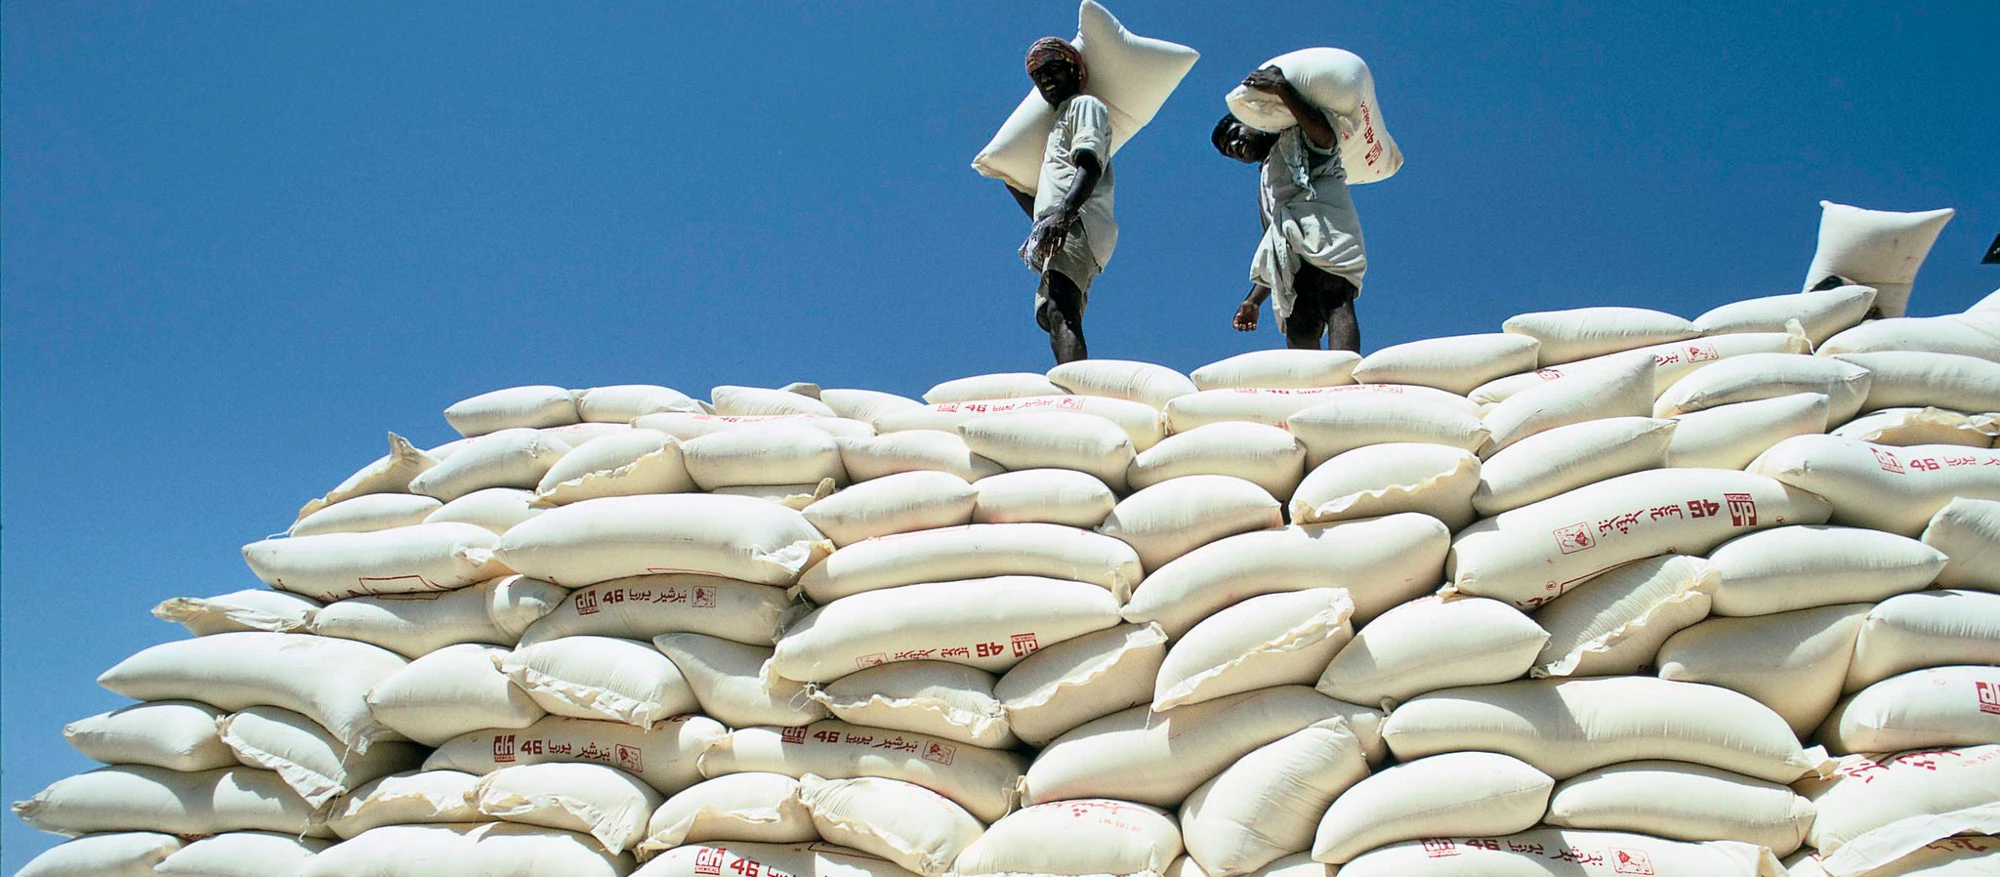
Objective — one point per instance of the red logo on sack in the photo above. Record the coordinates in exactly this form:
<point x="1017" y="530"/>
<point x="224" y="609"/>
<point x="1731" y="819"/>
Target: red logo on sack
<point x="630" y="758"/>
<point x="503" y="748"/>
<point x="1989" y="697"/>
<point x="586" y="603"/>
<point x="1574" y="538"/>
<point x="1024" y="644"/>
<point x="795" y="734"/>
<point x="704" y="598"/>
<point x="1742" y="509"/>
<point x="942" y="753"/>
<point x="1632" y="862"/>
<point x="1887" y="461"/>
<point x="708" y="861"/>
<point x="1439" y="847"/>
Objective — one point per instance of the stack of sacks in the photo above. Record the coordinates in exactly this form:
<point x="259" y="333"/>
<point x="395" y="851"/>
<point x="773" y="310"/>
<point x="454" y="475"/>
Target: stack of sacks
<point x="1600" y="591"/>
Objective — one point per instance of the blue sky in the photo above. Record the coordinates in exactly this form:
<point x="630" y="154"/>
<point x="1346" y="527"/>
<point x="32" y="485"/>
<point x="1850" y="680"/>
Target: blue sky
<point x="238" y="242"/>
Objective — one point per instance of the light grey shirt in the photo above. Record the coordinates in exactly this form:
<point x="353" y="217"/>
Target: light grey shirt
<point x="1083" y="124"/>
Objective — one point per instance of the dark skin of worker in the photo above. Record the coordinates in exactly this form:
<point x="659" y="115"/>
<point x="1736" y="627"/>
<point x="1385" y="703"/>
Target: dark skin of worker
<point x="1058" y="81"/>
<point x="1251" y="146"/>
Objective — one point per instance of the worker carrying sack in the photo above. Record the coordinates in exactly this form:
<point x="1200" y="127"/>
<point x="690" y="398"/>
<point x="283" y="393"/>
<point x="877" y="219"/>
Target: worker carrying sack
<point x="1338" y="82"/>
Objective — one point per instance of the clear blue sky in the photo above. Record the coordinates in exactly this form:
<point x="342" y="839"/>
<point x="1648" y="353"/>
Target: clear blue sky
<point x="241" y="241"/>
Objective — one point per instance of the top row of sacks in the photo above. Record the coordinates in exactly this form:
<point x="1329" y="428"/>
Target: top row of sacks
<point x="1831" y="322"/>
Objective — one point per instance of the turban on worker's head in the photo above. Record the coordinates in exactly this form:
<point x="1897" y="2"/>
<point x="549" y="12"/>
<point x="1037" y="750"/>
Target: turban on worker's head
<point x="1049" y="49"/>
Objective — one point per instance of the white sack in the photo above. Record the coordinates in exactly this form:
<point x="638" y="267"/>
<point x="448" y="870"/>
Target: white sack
<point x="318" y="766"/>
<point x="1925" y="629"/>
<point x="687" y="427"/>
<point x="1902" y="427"/>
<point x="602" y="539"/>
<point x="1533" y="554"/>
<point x="600" y="677"/>
<point x="1272" y="406"/>
<point x="1131" y="74"/>
<point x="122" y="854"/>
<point x="637" y="462"/>
<point x="663" y="756"/>
<point x="731" y="401"/>
<point x="1269" y="802"/>
<point x="758" y="807"/>
<point x="1960" y="856"/>
<point x="912" y="450"/>
<point x="243" y="854"/>
<point x="1052" y="440"/>
<point x="1579" y="333"/>
<point x="513" y="408"/>
<point x="983" y="388"/>
<point x="452" y="691"/>
<point x="730" y="681"/>
<point x="1090" y="836"/>
<point x="425" y="557"/>
<point x="496" y="612"/>
<point x="1455" y="364"/>
<point x="604" y="802"/>
<point x="897" y="503"/>
<point x="1919" y="379"/>
<point x="1731" y="436"/>
<point x="974" y="551"/>
<point x="1274" y="639"/>
<point x="1821" y="313"/>
<point x="1922" y="709"/>
<point x="865" y="405"/>
<point x="1613" y="624"/>
<point x="1756" y="376"/>
<point x="367" y="513"/>
<point x="508" y="458"/>
<point x="905" y="823"/>
<point x="389" y="474"/>
<point x="1479" y="793"/>
<point x="1876" y="809"/>
<point x="1266" y="456"/>
<point x="1074" y="681"/>
<point x="1053" y="496"/>
<point x="742" y="857"/>
<point x="1799" y="567"/>
<point x="1792" y="662"/>
<point x="983" y="781"/>
<point x="1279" y="369"/>
<point x="1175" y="517"/>
<point x="1432" y="643"/>
<point x="1337" y="83"/>
<point x="1387" y="413"/>
<point x="174" y="734"/>
<point x="1879" y="248"/>
<point x="254" y="609"/>
<point x="1892" y="489"/>
<point x="1141" y="422"/>
<point x="414" y="798"/>
<point x="494" y="849"/>
<point x="642" y="607"/>
<point x="1141" y="382"/>
<point x="1968" y="532"/>
<point x="1568" y="457"/>
<point x="495" y="508"/>
<point x="138" y="798"/>
<point x="624" y="403"/>
<point x="1957" y="334"/>
<point x="1621" y="388"/>
<point x="326" y="680"/>
<point x="777" y="453"/>
<point x="1683" y="802"/>
<point x="1384" y="479"/>
<point x="938" y="698"/>
<point x="1553" y="852"/>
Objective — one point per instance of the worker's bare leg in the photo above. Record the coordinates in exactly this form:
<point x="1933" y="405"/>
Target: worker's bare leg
<point x="1064" y="319"/>
<point x="1342" y="330"/>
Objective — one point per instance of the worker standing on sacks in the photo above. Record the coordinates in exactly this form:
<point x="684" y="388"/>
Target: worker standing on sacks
<point x="1073" y="233"/>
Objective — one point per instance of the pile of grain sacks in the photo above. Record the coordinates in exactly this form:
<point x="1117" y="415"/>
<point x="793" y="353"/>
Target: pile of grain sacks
<point x="1609" y="592"/>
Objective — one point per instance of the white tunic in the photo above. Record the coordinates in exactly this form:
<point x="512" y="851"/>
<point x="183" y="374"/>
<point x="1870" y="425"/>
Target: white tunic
<point x="1083" y="124"/>
<point x="1308" y="217"/>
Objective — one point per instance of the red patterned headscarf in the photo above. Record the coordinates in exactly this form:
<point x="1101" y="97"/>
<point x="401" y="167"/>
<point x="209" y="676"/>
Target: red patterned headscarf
<point x="1049" y="49"/>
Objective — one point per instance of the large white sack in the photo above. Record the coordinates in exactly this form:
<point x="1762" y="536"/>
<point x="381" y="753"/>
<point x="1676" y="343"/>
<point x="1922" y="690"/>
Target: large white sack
<point x="1175" y="517"/>
<point x="1385" y="479"/>
<point x="174" y="734"/>
<point x="776" y="453"/>
<point x="508" y="458"/>
<point x="1090" y="836"/>
<point x="999" y="385"/>
<point x="615" y="537"/>
<point x="1455" y="364"/>
<point x="1968" y="532"/>
<point x="1926" y="629"/>
<point x="624" y="403"/>
<point x="1878" y="248"/>
<point x="644" y="606"/>
<point x="122" y="854"/>
<point x="1563" y="852"/>
<point x="1266" y="456"/>
<point x="253" y="609"/>
<point x="983" y="781"/>
<point x="865" y="405"/>
<point x="1335" y="427"/>
<point x="1892" y="489"/>
<point x="1142" y="382"/>
<point x="1274" y="405"/>
<point x="391" y="473"/>
<point x="413" y="798"/>
<point x="1274" y="639"/>
<point x="495" y="508"/>
<point x="1960" y="856"/>
<point x="912" y="450"/>
<point x="1948" y="334"/>
<point x="1792" y="662"/>
<point x="1337" y="83"/>
<point x="512" y="408"/>
<point x="1878" y="808"/>
<point x="1683" y="802"/>
<point x="629" y="464"/>
<point x="1821" y="313"/>
<point x="1279" y="369"/>
<point x="1159" y="758"/>
<point x="745" y="858"/>
<point x="732" y="401"/>
<point x="243" y="854"/>
<point x="604" y="802"/>
<point x="1731" y="436"/>
<point x="1580" y="333"/>
<point x="1051" y="496"/>
<point x="1141" y="422"/>
<point x="758" y="807"/>
<point x="1756" y="376"/>
<point x="140" y="798"/>
<point x="1568" y="457"/>
<point x="579" y="433"/>
<point x="1381" y="562"/>
<point x="1432" y="643"/>
<point x="1622" y="387"/>
<point x="989" y="623"/>
<point x="1072" y="682"/>
<point x="664" y="756"/>
<point x="425" y="557"/>
<point x="1479" y="793"/>
<point x="1902" y="427"/>
<point x="974" y="551"/>
<point x="1614" y="623"/>
<point x="1294" y="865"/>
<point x="1565" y="727"/>
<point x="493" y="849"/>
<point x="687" y="427"/>
<point x="730" y="681"/>
<point x="318" y="766"/>
<point x="1052" y="440"/>
<point x="937" y="698"/>
<point x="905" y="823"/>
<point x="1799" y="567"/>
<point x="326" y="680"/>
<point x="1922" y="709"/>
<point x="1533" y="554"/>
<point x="452" y="691"/>
<point x="1131" y="74"/>
<point x="1269" y="803"/>
<point x="600" y="677"/>
<point x="1920" y="379"/>
<point x="897" y="503"/>
<point x="1672" y="361"/>
<point x="367" y="513"/>
<point x="495" y="612"/>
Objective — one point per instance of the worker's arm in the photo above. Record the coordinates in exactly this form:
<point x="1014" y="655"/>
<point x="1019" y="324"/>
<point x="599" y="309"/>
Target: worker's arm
<point x="1272" y="81"/>
<point x="1052" y="230"/>
<point x="1246" y="313"/>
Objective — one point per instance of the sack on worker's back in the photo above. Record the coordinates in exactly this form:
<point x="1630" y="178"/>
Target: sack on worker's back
<point x="1337" y="82"/>
<point x="1879" y="248"/>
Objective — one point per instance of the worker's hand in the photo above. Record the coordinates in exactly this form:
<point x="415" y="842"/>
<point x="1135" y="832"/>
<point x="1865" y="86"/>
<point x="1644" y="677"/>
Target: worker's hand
<point x="1246" y="317"/>
<point x="1269" y="80"/>
<point x="1050" y="233"/>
